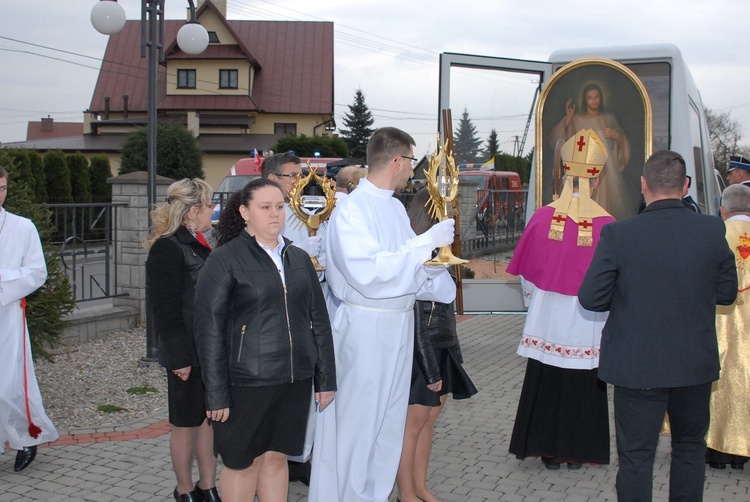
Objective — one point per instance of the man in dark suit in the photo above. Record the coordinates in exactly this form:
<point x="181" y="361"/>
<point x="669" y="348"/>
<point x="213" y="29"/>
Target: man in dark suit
<point x="660" y="275"/>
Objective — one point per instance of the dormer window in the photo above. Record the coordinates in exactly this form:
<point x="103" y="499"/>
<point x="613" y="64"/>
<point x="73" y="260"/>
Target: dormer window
<point x="213" y="38"/>
<point x="186" y="79"/>
<point x="228" y="79"/>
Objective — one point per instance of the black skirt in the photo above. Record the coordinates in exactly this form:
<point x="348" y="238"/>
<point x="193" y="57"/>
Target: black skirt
<point x="262" y="419"/>
<point x="562" y="414"/>
<point x="186" y="399"/>
<point x="455" y="380"/>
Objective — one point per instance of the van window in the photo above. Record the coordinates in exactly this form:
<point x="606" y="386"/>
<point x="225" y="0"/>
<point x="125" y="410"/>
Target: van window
<point x="697" y="143"/>
<point x="657" y="79"/>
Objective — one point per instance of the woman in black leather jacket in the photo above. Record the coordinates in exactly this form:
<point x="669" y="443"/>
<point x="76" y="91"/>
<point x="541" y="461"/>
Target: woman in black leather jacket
<point x="263" y="339"/>
<point x="436" y="371"/>
<point x="177" y="251"/>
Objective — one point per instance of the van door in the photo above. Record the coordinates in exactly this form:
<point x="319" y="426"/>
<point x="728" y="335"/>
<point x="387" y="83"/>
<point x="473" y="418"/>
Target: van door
<point x="480" y="84"/>
<point x="500" y="94"/>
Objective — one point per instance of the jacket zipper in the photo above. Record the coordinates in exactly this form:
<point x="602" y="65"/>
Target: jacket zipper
<point x="432" y="311"/>
<point x="242" y="340"/>
<point x="288" y="325"/>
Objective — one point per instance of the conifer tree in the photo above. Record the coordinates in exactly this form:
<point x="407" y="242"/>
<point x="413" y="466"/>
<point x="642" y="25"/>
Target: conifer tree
<point x="99" y="172"/>
<point x="358" y="122"/>
<point x="466" y="143"/>
<point x="20" y="158"/>
<point x="47" y="306"/>
<point x="36" y="163"/>
<point x="78" y="165"/>
<point x="493" y="147"/>
<point x="58" y="178"/>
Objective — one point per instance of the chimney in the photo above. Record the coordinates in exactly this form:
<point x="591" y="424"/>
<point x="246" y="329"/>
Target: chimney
<point x="125" y="106"/>
<point x="106" y="108"/>
<point x="47" y="124"/>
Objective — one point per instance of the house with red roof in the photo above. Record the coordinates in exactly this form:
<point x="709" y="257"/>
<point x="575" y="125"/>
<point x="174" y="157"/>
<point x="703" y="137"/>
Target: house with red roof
<point x="256" y="82"/>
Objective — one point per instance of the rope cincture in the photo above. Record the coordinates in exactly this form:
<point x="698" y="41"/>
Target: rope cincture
<point x="34" y="429"/>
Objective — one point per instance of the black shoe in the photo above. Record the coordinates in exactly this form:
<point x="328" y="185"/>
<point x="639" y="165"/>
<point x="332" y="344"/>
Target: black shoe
<point x="300" y="472"/>
<point x="717" y="465"/>
<point x="210" y="495"/>
<point x="573" y="466"/>
<point x="551" y="464"/>
<point x="738" y="466"/>
<point x="24" y="457"/>
<point x="186" y="497"/>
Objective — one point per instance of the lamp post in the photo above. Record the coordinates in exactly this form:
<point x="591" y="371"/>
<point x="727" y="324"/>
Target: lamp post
<point x="108" y="18"/>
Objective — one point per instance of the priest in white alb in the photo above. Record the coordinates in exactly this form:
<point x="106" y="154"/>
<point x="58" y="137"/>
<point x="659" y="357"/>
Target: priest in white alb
<point x="376" y="268"/>
<point x="23" y="421"/>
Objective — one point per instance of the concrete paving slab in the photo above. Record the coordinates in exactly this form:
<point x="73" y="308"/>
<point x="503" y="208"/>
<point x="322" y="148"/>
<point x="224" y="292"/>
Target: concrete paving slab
<point x="470" y="459"/>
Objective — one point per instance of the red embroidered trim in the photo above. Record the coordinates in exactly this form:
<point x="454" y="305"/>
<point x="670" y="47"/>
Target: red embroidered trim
<point x="566" y="351"/>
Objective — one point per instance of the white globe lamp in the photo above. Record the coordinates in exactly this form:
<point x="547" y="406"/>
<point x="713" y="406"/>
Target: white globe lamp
<point x="108" y="17"/>
<point x="192" y="38"/>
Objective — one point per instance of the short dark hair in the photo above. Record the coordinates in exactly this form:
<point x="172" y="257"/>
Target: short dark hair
<point x="231" y="223"/>
<point x="3" y="173"/>
<point x="272" y="164"/>
<point x="386" y="143"/>
<point x="665" y="172"/>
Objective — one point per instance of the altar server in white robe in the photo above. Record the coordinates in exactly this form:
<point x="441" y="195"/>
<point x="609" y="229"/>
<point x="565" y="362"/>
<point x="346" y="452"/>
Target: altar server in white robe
<point x="23" y="421"/>
<point x="376" y="268"/>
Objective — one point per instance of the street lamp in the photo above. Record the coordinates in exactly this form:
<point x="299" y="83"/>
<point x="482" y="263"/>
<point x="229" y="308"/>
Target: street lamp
<point x="108" y="18"/>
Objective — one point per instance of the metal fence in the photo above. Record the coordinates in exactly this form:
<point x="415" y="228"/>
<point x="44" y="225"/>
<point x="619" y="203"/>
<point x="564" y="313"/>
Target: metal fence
<point x="496" y="224"/>
<point x="86" y="235"/>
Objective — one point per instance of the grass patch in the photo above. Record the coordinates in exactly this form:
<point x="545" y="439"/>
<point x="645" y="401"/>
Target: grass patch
<point x="140" y="390"/>
<point x="110" y="408"/>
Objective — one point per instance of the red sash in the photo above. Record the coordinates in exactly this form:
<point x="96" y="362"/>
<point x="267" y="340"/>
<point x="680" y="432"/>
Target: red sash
<point x="34" y="429"/>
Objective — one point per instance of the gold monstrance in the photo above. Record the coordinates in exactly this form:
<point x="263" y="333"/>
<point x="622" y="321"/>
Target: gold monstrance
<point x="442" y="183"/>
<point x="312" y="209"/>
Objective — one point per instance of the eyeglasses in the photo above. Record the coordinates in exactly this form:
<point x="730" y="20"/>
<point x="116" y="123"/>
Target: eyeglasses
<point x="288" y="175"/>
<point x="414" y="160"/>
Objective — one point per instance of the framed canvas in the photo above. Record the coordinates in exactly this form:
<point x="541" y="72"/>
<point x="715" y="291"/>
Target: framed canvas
<point x="605" y="96"/>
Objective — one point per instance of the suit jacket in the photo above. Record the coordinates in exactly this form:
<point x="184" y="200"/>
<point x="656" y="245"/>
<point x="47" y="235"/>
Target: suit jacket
<point x="660" y="275"/>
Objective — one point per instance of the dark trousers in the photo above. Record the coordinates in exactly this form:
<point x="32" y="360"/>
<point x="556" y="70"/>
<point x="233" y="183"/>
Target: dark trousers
<point x="639" y="414"/>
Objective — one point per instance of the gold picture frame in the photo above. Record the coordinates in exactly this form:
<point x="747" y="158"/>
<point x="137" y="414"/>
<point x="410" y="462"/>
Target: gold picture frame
<point x="622" y="119"/>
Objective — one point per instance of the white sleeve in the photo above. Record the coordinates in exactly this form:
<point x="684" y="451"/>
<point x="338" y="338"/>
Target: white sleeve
<point x="19" y="282"/>
<point x="438" y="289"/>
<point x="373" y="272"/>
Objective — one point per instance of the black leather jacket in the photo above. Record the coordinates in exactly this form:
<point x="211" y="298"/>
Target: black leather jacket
<point x="251" y="330"/>
<point x="434" y="328"/>
<point x="172" y="268"/>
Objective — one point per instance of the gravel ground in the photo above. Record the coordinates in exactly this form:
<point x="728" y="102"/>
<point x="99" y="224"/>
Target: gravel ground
<point x="86" y="376"/>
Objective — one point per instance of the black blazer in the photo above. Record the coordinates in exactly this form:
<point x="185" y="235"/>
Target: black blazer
<point x="660" y="275"/>
<point x="171" y="272"/>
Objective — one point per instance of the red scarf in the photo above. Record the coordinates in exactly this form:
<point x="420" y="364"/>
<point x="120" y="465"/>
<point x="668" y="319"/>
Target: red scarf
<point x="199" y="237"/>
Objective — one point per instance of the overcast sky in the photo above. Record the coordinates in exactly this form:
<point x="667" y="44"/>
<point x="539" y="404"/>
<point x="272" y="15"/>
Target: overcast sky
<point x="390" y="49"/>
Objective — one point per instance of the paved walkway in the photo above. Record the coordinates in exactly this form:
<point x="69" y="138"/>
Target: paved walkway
<point x="470" y="454"/>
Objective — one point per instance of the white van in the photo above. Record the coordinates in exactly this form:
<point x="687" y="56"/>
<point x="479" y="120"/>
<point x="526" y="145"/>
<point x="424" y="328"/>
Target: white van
<point x="678" y="119"/>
